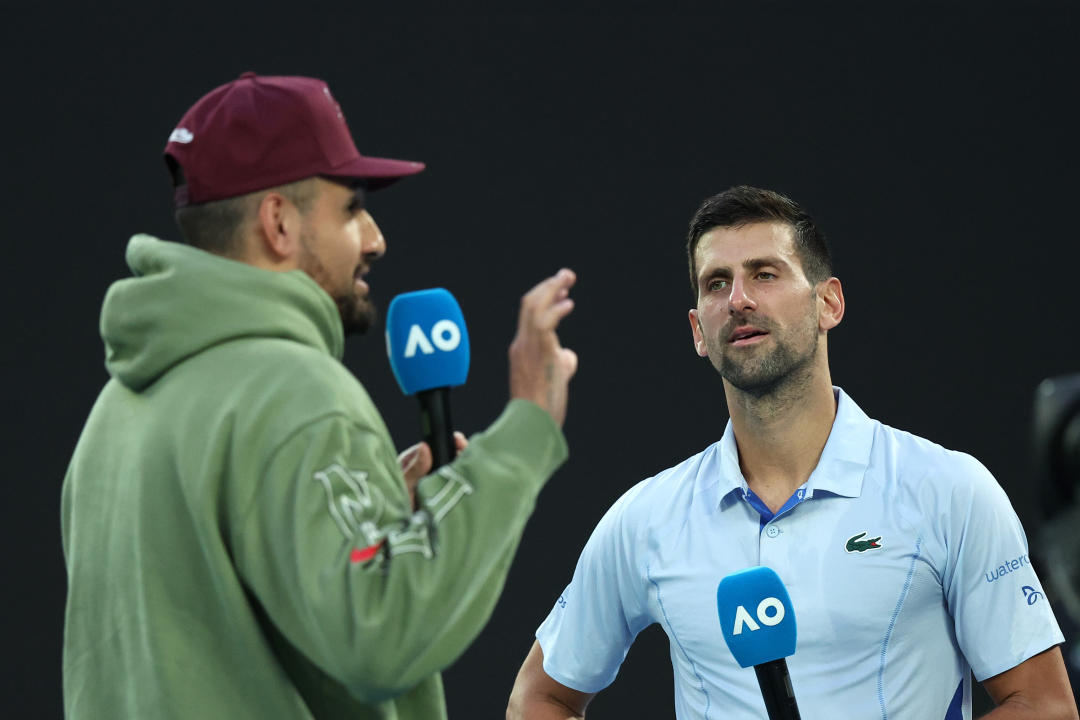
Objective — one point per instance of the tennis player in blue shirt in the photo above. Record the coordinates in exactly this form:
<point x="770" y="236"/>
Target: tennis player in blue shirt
<point x="905" y="562"/>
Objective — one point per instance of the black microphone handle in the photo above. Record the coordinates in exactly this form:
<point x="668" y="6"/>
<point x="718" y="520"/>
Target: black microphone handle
<point x="776" y="689"/>
<point x="435" y="425"/>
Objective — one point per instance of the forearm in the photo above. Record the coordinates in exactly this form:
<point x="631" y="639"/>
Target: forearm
<point x="378" y="596"/>
<point x="1036" y="689"/>
<point x="539" y="708"/>
<point x="478" y="508"/>
<point x="1026" y="709"/>
<point x="536" y="696"/>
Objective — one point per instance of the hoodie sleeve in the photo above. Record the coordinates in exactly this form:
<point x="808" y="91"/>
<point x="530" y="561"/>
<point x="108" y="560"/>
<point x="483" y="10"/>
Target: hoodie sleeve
<point x="376" y="595"/>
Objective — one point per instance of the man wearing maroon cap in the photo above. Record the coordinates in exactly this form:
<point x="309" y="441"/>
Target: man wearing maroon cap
<point x="241" y="539"/>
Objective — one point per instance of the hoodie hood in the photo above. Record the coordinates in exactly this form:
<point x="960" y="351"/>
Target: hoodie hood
<point x="183" y="300"/>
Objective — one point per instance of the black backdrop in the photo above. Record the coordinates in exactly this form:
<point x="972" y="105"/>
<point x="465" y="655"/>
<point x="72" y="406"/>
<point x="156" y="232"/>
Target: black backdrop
<point x="934" y="142"/>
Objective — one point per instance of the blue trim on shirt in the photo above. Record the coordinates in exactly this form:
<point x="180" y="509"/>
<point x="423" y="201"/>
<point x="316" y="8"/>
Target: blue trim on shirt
<point x="768" y="515"/>
<point x="888" y="633"/>
<point x="671" y="629"/>
<point x="956" y="707"/>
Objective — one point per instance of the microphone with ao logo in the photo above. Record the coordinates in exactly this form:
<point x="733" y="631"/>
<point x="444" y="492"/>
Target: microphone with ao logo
<point x="758" y="623"/>
<point x="428" y="347"/>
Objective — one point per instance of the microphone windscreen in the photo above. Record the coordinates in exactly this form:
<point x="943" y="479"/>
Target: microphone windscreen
<point x="756" y="616"/>
<point x="427" y="341"/>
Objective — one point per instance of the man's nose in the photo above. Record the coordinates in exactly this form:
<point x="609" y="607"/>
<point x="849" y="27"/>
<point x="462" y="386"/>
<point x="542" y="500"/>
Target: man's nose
<point x="372" y="242"/>
<point x="739" y="300"/>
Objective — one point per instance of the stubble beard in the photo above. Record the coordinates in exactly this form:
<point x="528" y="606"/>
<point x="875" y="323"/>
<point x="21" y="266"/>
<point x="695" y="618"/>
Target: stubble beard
<point x="358" y="313"/>
<point x="785" y="368"/>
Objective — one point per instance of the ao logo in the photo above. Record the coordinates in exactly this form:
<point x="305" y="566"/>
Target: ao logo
<point x="742" y="617"/>
<point x="445" y="335"/>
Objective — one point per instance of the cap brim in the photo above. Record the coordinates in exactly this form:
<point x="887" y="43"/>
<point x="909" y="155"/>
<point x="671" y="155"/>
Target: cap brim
<point x="377" y="172"/>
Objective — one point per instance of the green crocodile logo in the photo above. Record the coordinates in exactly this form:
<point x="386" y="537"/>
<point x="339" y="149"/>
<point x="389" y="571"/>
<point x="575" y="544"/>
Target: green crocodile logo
<point x="854" y="544"/>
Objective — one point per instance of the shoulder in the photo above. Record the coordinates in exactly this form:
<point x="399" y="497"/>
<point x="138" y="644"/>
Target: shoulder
<point x="918" y="455"/>
<point x="279" y="385"/>
<point x="658" y="499"/>
<point x="930" y="472"/>
<point x="292" y="367"/>
<point x="646" y="513"/>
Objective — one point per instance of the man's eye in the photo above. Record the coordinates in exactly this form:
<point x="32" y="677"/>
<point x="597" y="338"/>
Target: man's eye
<point x="765" y="275"/>
<point x="357" y="203"/>
<point x="718" y="284"/>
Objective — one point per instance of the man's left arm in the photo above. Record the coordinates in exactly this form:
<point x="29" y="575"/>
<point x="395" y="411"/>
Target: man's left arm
<point x="988" y="575"/>
<point x="1036" y="689"/>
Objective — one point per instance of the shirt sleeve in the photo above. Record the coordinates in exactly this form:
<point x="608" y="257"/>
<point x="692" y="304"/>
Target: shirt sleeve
<point x="586" y="636"/>
<point x="1000" y="611"/>
<point x="375" y="595"/>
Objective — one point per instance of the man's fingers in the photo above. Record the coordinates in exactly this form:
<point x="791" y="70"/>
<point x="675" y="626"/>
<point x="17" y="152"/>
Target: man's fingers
<point x="570" y="361"/>
<point x="407" y="457"/>
<point x="547" y="293"/>
<point x="539" y="368"/>
<point x="416" y="462"/>
<point x="547" y="289"/>
<point x="460" y="441"/>
<point x="550" y="318"/>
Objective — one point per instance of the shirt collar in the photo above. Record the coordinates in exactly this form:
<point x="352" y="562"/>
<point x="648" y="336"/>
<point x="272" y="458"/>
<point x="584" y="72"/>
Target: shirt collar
<point x="840" y="469"/>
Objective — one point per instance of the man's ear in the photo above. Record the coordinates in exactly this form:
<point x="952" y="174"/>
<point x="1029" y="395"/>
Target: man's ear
<point x="831" y="294"/>
<point x="277" y="223"/>
<point x="699" y="337"/>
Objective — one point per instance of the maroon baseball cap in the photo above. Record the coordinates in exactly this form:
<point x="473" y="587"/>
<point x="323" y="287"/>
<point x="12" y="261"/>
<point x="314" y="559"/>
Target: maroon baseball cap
<point x="260" y="132"/>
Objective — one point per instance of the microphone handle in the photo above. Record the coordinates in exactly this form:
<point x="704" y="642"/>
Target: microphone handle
<point x="776" y="689"/>
<point x="435" y="425"/>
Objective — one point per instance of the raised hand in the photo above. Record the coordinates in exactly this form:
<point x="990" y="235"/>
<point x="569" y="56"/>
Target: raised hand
<point x="540" y="368"/>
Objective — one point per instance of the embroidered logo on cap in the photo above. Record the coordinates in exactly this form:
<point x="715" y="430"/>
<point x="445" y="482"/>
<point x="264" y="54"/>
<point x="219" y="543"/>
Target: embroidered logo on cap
<point x="855" y="545"/>
<point x="337" y="107"/>
<point x="181" y="135"/>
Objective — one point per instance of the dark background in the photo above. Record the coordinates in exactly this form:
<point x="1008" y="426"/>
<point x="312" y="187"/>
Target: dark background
<point x="935" y="143"/>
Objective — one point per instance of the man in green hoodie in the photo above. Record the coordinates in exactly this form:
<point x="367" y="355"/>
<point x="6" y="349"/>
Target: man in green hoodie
<point x="241" y="539"/>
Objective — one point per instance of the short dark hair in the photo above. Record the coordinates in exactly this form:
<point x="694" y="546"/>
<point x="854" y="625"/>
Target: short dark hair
<point x="744" y="205"/>
<point x="216" y="226"/>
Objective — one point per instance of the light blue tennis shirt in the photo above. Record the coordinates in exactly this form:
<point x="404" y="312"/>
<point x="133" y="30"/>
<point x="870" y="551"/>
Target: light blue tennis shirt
<point x="906" y="564"/>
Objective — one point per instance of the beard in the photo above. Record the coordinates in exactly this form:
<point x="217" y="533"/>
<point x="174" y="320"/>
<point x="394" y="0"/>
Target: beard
<point x="358" y="312"/>
<point x="760" y="371"/>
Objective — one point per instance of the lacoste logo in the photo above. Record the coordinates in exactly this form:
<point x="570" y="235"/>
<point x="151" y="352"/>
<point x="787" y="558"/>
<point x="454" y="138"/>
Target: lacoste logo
<point x="181" y="135"/>
<point x="855" y="545"/>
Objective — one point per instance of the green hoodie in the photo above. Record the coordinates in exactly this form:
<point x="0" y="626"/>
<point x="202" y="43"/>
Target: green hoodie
<point x="238" y="536"/>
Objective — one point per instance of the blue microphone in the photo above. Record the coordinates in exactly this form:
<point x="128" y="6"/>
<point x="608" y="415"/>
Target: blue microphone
<point x="758" y="623"/>
<point x="428" y="346"/>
